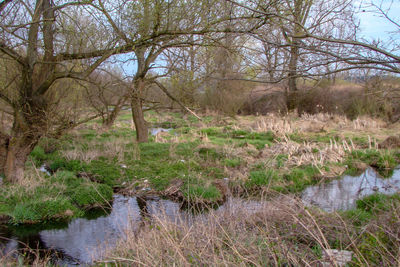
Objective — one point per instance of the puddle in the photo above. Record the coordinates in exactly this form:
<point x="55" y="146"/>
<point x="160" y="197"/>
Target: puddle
<point x="45" y="169"/>
<point x="343" y="193"/>
<point x="155" y="131"/>
<point x="84" y="240"/>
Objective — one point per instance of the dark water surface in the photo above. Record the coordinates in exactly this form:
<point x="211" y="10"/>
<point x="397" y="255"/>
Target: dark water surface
<point x="85" y="239"/>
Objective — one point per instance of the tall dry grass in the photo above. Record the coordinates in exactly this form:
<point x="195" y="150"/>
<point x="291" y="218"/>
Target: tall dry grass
<point x="281" y="232"/>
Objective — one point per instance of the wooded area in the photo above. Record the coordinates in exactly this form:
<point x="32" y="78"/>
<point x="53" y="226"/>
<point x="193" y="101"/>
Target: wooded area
<point x="64" y="63"/>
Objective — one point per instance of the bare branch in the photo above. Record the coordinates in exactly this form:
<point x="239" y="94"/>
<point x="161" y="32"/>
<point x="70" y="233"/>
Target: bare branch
<point x="165" y="90"/>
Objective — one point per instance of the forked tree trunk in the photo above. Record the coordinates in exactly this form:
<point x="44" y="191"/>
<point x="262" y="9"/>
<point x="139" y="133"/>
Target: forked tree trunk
<point x="142" y="134"/>
<point x="108" y="122"/>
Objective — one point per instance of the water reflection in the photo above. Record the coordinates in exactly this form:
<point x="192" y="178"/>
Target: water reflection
<point x="155" y="131"/>
<point x="342" y="194"/>
<point x="84" y="240"/>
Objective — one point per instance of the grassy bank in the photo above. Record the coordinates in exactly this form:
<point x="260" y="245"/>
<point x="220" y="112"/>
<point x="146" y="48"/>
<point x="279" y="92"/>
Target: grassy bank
<point x="252" y="155"/>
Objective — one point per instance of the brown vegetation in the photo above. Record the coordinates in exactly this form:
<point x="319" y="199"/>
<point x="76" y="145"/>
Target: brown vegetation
<point x="348" y="99"/>
<point x="277" y="232"/>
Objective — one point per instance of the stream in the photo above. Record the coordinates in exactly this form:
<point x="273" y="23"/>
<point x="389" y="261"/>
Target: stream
<point x="84" y="240"/>
<point x="343" y="193"/>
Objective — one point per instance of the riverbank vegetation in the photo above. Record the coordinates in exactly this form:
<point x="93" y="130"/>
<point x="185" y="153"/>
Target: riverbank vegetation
<point x="245" y="156"/>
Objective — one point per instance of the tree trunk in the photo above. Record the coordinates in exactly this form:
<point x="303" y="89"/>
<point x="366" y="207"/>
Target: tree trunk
<point x="4" y="141"/>
<point x="142" y="135"/>
<point x="291" y="94"/>
<point x="110" y="118"/>
<point x="30" y="124"/>
<point x="18" y="151"/>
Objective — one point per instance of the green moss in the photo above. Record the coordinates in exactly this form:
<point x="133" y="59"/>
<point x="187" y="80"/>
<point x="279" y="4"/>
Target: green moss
<point x="106" y="173"/>
<point x="386" y="160"/>
<point x="356" y="216"/>
<point x="377" y="202"/>
<point x="61" y="196"/>
<point x="299" y="178"/>
<point x="64" y="164"/>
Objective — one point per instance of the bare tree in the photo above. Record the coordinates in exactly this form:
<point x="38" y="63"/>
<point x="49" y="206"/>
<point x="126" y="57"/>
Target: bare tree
<point x="160" y="25"/>
<point x="40" y="71"/>
<point x="107" y="91"/>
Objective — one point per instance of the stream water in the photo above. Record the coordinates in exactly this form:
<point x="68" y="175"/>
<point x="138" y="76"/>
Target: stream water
<point x="343" y="193"/>
<point x="155" y="131"/>
<point x="83" y="240"/>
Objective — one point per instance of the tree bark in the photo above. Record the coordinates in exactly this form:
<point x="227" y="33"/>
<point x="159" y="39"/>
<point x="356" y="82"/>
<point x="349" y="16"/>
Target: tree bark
<point x="294" y="56"/>
<point x="292" y="84"/>
<point x="108" y="122"/>
<point x="4" y="141"/>
<point x="18" y="150"/>
<point x="142" y="134"/>
<point x="30" y="124"/>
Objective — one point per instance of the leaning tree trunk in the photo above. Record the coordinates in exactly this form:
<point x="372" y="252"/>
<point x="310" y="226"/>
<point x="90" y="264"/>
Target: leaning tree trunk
<point x="142" y="134"/>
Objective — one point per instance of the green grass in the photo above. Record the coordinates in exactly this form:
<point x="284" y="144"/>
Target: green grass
<point x="262" y="178"/>
<point x="235" y="162"/>
<point x="226" y="151"/>
<point x="383" y="160"/>
<point x="60" y="197"/>
<point x="200" y="192"/>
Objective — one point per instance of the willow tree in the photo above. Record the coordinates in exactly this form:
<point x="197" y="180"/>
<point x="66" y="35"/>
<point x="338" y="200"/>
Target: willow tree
<point x="39" y="66"/>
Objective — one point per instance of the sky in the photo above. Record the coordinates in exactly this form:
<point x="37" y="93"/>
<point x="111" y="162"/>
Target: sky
<point x="377" y="27"/>
<point x="372" y="25"/>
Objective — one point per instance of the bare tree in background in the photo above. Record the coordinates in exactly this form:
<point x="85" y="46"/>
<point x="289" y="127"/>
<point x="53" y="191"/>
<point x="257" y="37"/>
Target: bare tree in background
<point x="160" y="25"/>
<point x="106" y="91"/>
